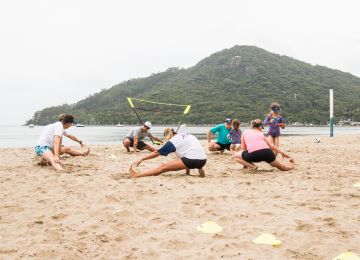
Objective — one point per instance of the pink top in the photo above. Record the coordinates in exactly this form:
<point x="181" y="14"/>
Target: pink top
<point x="255" y="141"/>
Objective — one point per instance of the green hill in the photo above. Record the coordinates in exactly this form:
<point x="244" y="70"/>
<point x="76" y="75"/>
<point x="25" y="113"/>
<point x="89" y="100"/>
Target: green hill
<point x="240" y="82"/>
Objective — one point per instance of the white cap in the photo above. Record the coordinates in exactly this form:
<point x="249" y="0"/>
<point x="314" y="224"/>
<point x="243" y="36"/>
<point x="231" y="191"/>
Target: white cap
<point x="147" y="124"/>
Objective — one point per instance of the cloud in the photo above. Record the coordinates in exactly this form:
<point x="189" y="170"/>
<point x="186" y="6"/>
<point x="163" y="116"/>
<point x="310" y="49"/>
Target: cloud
<point x="57" y="52"/>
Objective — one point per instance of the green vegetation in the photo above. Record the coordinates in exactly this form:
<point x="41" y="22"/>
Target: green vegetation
<point x="240" y="82"/>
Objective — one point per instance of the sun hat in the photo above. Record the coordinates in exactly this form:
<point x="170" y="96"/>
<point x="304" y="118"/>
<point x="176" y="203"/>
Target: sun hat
<point x="147" y="124"/>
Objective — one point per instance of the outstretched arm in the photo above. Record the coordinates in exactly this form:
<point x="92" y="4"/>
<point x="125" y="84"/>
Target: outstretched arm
<point x="276" y="149"/>
<point x="75" y="139"/>
<point x="57" y="142"/>
<point x="136" y="140"/>
<point x="209" y="136"/>
<point x="148" y="157"/>
<point x="243" y="144"/>
<point x="157" y="139"/>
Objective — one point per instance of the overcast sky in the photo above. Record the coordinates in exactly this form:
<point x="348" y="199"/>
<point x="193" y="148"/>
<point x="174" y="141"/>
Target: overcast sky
<point x="55" y="52"/>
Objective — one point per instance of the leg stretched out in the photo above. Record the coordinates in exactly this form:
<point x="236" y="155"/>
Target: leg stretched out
<point x="238" y="158"/>
<point x="150" y="148"/>
<point x="175" y="165"/>
<point x="72" y="152"/>
<point x="283" y="166"/>
<point x="49" y="156"/>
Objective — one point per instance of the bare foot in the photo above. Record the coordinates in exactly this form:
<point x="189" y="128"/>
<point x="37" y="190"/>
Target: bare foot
<point x="87" y="152"/>
<point x="58" y="167"/>
<point x="201" y="173"/>
<point x="132" y="172"/>
<point x="43" y="162"/>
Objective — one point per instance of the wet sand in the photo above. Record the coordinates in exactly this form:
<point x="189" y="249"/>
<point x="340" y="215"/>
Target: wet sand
<point x="95" y="211"/>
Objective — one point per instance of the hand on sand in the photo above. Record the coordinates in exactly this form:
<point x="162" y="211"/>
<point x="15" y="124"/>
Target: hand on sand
<point x="137" y="163"/>
<point x="284" y="155"/>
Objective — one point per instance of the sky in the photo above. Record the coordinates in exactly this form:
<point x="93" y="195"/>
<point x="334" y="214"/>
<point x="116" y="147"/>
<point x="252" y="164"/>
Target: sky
<point x="56" y="52"/>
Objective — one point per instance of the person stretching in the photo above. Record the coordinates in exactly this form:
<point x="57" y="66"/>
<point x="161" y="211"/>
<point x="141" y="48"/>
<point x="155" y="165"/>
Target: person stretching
<point x="256" y="148"/>
<point x="136" y="136"/>
<point x="222" y="142"/>
<point x="68" y="150"/>
<point x="49" y="142"/>
<point x="190" y="153"/>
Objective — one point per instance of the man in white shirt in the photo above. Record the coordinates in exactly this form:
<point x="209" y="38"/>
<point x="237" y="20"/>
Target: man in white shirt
<point x="68" y="150"/>
<point x="49" y="142"/>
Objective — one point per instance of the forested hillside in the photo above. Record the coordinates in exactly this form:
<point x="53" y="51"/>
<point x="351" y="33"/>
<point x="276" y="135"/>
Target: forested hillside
<point x="239" y="82"/>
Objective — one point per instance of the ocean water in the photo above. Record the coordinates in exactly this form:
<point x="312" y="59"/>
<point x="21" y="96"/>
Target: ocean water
<point x="23" y="136"/>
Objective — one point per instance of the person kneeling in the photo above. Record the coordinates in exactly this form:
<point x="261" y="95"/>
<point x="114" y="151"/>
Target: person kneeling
<point x="258" y="149"/>
<point x="187" y="148"/>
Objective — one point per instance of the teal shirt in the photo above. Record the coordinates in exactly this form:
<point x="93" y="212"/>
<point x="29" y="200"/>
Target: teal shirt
<point x="222" y="133"/>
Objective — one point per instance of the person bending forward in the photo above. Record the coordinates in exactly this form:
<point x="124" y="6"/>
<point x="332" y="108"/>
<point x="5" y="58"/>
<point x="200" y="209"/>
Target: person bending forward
<point x="258" y="149"/>
<point x="190" y="153"/>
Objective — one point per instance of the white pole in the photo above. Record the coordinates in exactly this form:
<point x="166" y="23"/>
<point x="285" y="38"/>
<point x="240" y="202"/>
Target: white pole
<point x="331" y="112"/>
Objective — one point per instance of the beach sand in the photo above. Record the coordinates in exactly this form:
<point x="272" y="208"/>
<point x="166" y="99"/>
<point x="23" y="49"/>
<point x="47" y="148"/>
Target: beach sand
<point x="95" y="211"/>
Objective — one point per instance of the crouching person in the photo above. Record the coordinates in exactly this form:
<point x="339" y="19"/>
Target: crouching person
<point x="190" y="153"/>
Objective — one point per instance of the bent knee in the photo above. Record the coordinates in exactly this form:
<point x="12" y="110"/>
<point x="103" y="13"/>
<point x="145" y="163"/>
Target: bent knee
<point x="65" y="149"/>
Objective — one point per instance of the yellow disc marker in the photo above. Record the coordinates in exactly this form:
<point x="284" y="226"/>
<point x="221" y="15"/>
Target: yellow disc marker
<point x="357" y="185"/>
<point x="267" y="239"/>
<point x="209" y="227"/>
<point x="347" y="256"/>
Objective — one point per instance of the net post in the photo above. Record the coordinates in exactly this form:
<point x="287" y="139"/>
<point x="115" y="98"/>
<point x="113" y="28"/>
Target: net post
<point x="331" y="113"/>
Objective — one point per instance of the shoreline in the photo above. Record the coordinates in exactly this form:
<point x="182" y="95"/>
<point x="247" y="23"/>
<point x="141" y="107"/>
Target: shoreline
<point x="201" y="137"/>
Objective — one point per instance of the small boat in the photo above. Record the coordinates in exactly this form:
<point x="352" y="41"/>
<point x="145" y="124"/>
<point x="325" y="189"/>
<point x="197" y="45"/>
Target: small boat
<point x="31" y="125"/>
<point x="80" y="125"/>
<point x="119" y="125"/>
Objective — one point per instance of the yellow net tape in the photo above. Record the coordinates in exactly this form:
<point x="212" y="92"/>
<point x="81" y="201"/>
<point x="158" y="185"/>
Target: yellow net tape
<point x="186" y="111"/>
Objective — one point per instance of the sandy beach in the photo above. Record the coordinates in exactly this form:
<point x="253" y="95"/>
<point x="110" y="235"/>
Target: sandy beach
<point x="95" y="211"/>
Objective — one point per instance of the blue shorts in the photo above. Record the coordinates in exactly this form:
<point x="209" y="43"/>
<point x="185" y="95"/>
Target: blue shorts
<point x="40" y="150"/>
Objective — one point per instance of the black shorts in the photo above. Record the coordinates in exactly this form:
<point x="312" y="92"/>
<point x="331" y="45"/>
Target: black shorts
<point x="140" y="144"/>
<point x="224" y="146"/>
<point x="263" y="155"/>
<point x="193" y="163"/>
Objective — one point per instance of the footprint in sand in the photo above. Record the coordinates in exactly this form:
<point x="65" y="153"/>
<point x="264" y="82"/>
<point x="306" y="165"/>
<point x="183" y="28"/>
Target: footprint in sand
<point x="59" y="216"/>
<point x="315" y="208"/>
<point x="304" y="227"/>
<point x="328" y="221"/>
<point x="103" y="238"/>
